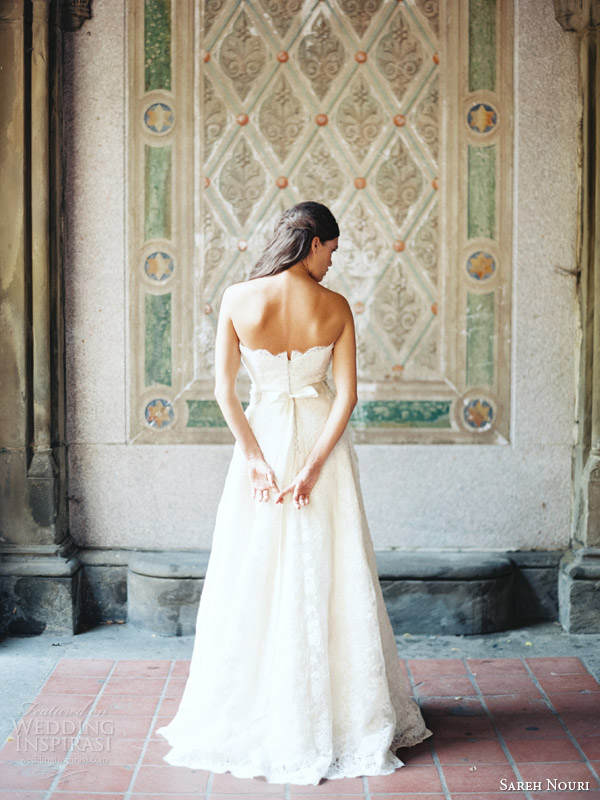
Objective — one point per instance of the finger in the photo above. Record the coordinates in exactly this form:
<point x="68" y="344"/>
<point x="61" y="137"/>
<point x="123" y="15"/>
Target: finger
<point x="265" y="494"/>
<point x="283" y="492"/>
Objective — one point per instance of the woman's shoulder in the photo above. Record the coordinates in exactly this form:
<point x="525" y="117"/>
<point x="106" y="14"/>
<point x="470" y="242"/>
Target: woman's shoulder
<point x="241" y="292"/>
<point x="235" y="288"/>
<point x="248" y="286"/>
<point x="335" y="300"/>
<point x="236" y="291"/>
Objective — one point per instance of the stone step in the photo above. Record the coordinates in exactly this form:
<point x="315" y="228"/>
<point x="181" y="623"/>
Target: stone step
<point x="443" y="592"/>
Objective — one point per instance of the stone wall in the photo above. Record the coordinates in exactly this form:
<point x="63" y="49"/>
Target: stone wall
<point x="442" y="496"/>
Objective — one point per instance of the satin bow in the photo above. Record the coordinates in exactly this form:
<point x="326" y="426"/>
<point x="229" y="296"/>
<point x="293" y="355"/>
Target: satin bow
<point x="273" y="395"/>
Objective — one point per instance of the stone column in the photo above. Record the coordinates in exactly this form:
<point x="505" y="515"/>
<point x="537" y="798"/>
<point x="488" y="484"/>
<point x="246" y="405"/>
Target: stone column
<point x="40" y="576"/>
<point x="579" y="573"/>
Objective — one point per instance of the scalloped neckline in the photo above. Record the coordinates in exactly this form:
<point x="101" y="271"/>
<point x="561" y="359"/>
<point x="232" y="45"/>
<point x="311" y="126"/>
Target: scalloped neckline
<point x="284" y="352"/>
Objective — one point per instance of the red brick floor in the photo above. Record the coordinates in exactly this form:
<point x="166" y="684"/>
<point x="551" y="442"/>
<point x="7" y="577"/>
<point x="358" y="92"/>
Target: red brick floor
<point x="90" y="735"/>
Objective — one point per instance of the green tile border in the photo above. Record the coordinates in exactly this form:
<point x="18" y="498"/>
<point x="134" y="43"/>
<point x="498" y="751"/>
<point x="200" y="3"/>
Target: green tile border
<point x="157" y="339"/>
<point x="157" y="45"/>
<point x="367" y="414"/>
<point x="481" y="202"/>
<point x="206" y="414"/>
<point x="480" y="339"/>
<point x="157" y="192"/>
<point x="482" y="45"/>
<point x="401" y="414"/>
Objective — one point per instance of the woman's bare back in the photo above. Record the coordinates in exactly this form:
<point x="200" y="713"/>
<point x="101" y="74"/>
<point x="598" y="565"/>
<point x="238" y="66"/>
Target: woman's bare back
<point x="287" y="311"/>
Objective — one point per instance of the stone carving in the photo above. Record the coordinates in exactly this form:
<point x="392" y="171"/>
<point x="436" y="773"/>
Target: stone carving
<point x="242" y="180"/>
<point x="575" y="15"/>
<point x="321" y="55"/>
<point x="73" y="13"/>
<point x="360" y="13"/>
<point x="363" y="251"/>
<point x="399" y="182"/>
<point x="425" y="245"/>
<point x="211" y="12"/>
<point x="399" y="56"/>
<point x="360" y="118"/>
<point x="281" y="13"/>
<point x="427" y="351"/>
<point x="339" y="101"/>
<point x="427" y="121"/>
<point x="430" y="10"/>
<point x="205" y="340"/>
<point x="214" y="117"/>
<point x="395" y="307"/>
<point x="370" y="362"/>
<point x="264" y="229"/>
<point x="243" y="55"/>
<point x="320" y="175"/>
<point x="214" y="247"/>
<point x="282" y="118"/>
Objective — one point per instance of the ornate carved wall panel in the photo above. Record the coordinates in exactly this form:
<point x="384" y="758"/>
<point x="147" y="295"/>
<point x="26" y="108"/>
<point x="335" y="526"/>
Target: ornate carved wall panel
<point x="398" y="115"/>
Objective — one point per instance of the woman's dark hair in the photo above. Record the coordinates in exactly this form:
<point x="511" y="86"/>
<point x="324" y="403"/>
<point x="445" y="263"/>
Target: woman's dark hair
<point x="293" y="236"/>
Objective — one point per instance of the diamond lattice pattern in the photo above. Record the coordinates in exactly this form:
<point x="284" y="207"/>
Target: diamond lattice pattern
<point x="338" y="103"/>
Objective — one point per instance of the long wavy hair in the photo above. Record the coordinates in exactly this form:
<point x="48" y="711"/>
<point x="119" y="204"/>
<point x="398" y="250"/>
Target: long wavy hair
<point x="293" y="236"/>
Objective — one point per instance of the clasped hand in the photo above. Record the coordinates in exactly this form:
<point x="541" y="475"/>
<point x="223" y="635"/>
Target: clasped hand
<point x="262" y="480"/>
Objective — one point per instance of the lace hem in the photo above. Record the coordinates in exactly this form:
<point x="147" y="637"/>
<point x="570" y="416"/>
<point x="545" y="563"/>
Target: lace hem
<point x="322" y="768"/>
<point x="403" y="741"/>
<point x="326" y="767"/>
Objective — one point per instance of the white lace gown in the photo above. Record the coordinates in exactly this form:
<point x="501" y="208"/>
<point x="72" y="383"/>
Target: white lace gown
<point x="294" y="673"/>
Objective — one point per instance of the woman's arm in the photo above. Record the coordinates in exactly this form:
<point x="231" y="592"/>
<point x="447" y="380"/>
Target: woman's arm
<point x="227" y="366"/>
<point x="344" y="376"/>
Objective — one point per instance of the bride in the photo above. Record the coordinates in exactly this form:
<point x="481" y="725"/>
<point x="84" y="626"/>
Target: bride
<point x="294" y="674"/>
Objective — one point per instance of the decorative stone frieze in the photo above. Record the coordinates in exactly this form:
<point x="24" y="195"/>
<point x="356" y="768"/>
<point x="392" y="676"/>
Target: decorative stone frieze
<point x="396" y="115"/>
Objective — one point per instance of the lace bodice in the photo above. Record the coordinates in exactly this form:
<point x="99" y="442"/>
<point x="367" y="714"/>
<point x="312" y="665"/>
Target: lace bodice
<point x="275" y="372"/>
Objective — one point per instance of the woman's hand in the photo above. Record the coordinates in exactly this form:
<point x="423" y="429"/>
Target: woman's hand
<point x="301" y="486"/>
<point x="262" y="478"/>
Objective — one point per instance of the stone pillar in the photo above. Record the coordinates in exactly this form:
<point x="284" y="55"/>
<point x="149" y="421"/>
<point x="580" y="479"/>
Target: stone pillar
<point x="579" y="573"/>
<point x="40" y="576"/>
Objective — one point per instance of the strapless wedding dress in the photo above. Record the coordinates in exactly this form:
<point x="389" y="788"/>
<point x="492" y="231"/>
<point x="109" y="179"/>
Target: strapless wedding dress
<point x="294" y="674"/>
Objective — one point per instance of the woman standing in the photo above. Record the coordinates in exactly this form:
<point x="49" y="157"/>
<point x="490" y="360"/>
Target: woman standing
<point x="295" y="673"/>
